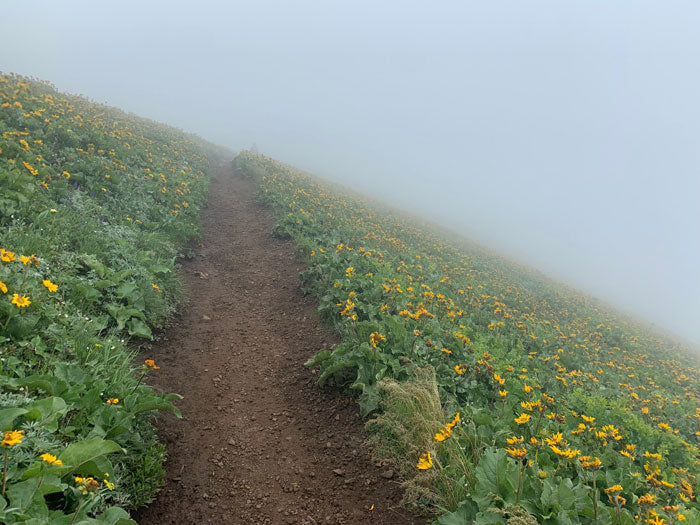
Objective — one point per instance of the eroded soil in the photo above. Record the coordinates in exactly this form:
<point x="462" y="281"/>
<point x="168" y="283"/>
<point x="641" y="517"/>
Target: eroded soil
<point x="259" y="442"/>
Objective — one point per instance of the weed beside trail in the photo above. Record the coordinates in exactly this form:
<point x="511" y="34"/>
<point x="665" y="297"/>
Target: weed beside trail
<point x="95" y="206"/>
<point x="503" y="397"/>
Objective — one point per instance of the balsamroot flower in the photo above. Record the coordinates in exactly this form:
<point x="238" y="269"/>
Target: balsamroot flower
<point x="51" y="460"/>
<point x="12" y="438"/>
<point x="517" y="453"/>
<point x="6" y="256"/>
<point x="20" y="302"/>
<point x="51" y="287"/>
<point x="522" y="419"/>
<point x="150" y="363"/>
<point x="375" y="338"/>
<point x="425" y="461"/>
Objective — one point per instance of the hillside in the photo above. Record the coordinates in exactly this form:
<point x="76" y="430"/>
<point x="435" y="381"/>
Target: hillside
<point x="95" y="207"/>
<point x="497" y="390"/>
<point x="490" y="394"/>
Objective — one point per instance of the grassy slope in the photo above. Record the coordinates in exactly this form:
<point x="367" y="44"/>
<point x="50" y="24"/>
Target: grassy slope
<point x="103" y="202"/>
<point x="516" y="355"/>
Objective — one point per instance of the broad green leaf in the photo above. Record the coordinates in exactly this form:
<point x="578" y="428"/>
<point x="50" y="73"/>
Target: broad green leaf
<point x="156" y="403"/>
<point x="28" y="496"/>
<point x="126" y="291"/>
<point x="465" y="513"/>
<point x="47" y="411"/>
<point x="566" y="496"/>
<point x="7" y="417"/>
<point x="138" y="328"/>
<point x="82" y="452"/>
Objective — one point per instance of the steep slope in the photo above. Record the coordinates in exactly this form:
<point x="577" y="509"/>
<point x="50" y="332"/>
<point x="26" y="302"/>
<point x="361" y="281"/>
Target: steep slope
<point x="500" y="393"/>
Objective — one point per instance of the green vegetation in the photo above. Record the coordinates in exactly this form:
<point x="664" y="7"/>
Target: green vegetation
<point x="95" y="206"/>
<point x="503" y="398"/>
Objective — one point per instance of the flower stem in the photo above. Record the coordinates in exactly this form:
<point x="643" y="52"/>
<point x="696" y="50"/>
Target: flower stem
<point x="138" y="383"/>
<point x="4" y="474"/>
<point x="595" y="497"/>
<point x="76" y="512"/>
<point x="520" y="483"/>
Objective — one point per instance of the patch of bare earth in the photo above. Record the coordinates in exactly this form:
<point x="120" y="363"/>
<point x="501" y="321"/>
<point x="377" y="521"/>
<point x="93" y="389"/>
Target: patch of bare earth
<point x="259" y="441"/>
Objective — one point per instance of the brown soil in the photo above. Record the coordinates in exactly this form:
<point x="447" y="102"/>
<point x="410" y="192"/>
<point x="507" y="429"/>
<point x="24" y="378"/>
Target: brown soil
<point x="259" y="441"/>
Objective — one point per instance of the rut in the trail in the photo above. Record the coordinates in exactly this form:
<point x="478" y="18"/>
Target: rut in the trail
<point x="259" y="441"/>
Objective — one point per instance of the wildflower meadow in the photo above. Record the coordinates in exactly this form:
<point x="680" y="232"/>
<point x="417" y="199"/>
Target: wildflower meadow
<point x="503" y="397"/>
<point x="95" y="209"/>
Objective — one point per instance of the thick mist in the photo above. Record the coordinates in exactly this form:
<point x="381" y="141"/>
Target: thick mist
<point x="564" y="134"/>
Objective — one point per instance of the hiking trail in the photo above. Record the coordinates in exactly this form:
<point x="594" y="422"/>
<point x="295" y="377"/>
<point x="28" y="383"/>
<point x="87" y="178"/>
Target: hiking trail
<point x="260" y="441"/>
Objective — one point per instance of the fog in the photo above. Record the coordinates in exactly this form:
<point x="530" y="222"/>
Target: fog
<point x="563" y="134"/>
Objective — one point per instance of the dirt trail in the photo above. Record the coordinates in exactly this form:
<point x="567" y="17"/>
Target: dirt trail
<point x="260" y="442"/>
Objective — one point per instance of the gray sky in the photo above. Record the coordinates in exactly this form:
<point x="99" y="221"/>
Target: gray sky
<point x="565" y="134"/>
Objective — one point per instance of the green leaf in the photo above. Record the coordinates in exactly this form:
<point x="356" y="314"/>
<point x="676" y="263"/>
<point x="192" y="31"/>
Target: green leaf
<point x="115" y="516"/>
<point x="566" y="495"/>
<point x="47" y="411"/>
<point x="318" y="359"/>
<point x="138" y="328"/>
<point x="91" y="262"/>
<point x="160" y="268"/>
<point x="465" y="513"/>
<point x="127" y="291"/>
<point x="50" y="384"/>
<point x="490" y="471"/>
<point x="77" y="454"/>
<point x="495" y="474"/>
<point x="123" y="313"/>
<point x="28" y="497"/>
<point x="156" y="403"/>
<point x="8" y="416"/>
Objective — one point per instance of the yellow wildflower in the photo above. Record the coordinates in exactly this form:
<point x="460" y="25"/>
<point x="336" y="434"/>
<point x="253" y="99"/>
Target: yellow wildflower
<point x="51" y="287"/>
<point x="425" y="461"/>
<point x="12" y="438"/>
<point x="20" y="302"/>
<point x="375" y="338"/>
<point x="150" y="363"/>
<point x="6" y="256"/>
<point x="517" y="452"/>
<point x="555" y="439"/>
<point x="51" y="460"/>
<point x="443" y="434"/>
<point x="452" y="423"/>
<point x="522" y="419"/>
<point x="647" y="499"/>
